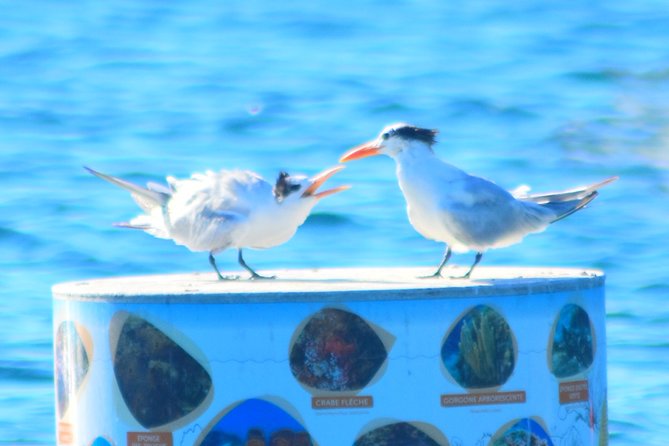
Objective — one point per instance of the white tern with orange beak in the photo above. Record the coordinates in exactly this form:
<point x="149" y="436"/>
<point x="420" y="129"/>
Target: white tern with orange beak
<point x="214" y="211"/>
<point x="466" y="212"/>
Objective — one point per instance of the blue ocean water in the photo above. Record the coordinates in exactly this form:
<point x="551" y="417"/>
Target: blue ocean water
<point x="551" y="94"/>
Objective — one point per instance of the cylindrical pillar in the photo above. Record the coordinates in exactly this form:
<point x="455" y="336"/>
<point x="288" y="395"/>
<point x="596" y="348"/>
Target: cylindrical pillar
<point x="332" y="357"/>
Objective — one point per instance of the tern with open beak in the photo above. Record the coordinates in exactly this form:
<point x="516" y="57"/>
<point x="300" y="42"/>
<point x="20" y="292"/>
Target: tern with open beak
<point x="215" y="211"/>
<point x="466" y="212"/>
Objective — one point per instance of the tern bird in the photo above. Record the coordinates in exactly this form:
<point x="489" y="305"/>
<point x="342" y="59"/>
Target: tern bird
<point x="466" y="212"/>
<point x="227" y="209"/>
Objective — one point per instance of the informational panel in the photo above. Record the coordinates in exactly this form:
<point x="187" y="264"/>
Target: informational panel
<point x="491" y="370"/>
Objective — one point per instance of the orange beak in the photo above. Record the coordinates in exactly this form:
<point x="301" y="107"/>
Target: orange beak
<point x="370" y="148"/>
<point x="318" y="180"/>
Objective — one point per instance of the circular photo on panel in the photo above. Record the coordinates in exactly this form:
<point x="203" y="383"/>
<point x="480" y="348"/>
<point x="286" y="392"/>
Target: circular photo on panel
<point x="523" y="432"/>
<point x="480" y="350"/>
<point x="102" y="441"/>
<point x="336" y="350"/>
<point x="73" y="350"/>
<point x="159" y="380"/>
<point x="403" y="433"/>
<point x="256" y="422"/>
<point x="572" y="343"/>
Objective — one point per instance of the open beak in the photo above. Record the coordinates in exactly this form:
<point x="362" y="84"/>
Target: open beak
<point x="370" y="148"/>
<point x="318" y="180"/>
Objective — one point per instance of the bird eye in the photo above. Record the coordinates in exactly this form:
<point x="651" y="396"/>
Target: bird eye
<point x="385" y="135"/>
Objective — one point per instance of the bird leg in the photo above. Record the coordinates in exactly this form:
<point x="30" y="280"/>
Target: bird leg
<point x="447" y="255"/>
<point x="476" y="262"/>
<point x="212" y="261"/>
<point x="254" y="275"/>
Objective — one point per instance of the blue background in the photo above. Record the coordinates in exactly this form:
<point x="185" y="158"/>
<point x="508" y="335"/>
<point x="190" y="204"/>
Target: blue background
<point x="548" y="93"/>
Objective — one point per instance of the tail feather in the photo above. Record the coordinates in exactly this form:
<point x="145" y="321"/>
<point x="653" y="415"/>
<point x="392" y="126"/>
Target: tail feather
<point x="128" y="225"/>
<point x="147" y="199"/>
<point x="565" y="203"/>
<point x="566" y="208"/>
<point x="160" y="188"/>
<point x="147" y="224"/>
<point x="577" y="193"/>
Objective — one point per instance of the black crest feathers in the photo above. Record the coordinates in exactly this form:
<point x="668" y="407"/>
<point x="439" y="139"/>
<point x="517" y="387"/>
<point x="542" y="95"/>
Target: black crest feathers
<point x="428" y="136"/>
<point x="283" y="186"/>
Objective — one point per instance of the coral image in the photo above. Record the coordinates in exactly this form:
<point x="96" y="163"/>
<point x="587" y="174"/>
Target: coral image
<point x="524" y="432"/>
<point x="395" y="434"/>
<point x="336" y="351"/>
<point x="159" y="381"/>
<point x="572" y="349"/>
<point x="72" y="363"/>
<point x="256" y="422"/>
<point x="479" y="351"/>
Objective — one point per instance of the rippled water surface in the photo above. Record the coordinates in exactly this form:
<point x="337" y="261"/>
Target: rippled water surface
<point x="552" y="94"/>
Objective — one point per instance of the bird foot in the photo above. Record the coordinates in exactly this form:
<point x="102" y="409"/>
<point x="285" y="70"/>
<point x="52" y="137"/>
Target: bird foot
<point x="221" y="277"/>
<point x="436" y="275"/>
<point x="256" y="276"/>
<point x="464" y="277"/>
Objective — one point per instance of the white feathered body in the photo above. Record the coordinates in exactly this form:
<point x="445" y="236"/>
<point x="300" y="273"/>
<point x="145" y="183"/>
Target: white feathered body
<point x="446" y="204"/>
<point x="217" y="210"/>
